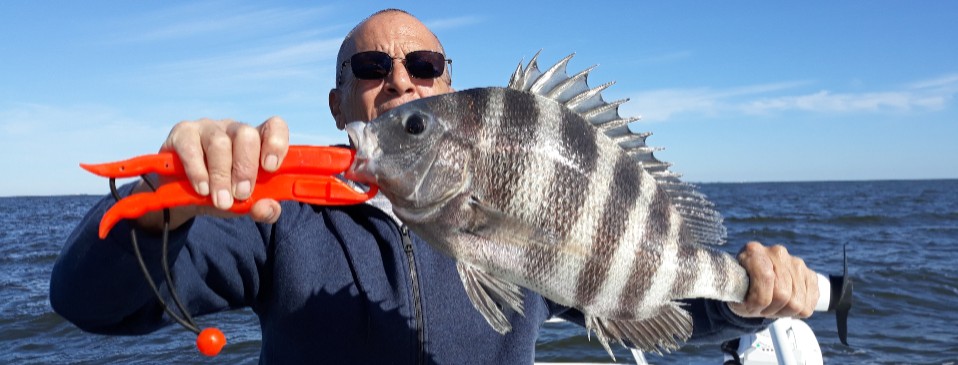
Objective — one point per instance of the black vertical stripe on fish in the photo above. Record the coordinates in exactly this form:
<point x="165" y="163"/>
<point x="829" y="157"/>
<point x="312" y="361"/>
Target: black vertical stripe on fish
<point x="504" y="164"/>
<point x="580" y="138"/>
<point x="520" y="115"/>
<point x="648" y="261"/>
<point x="659" y="220"/>
<point x="624" y="192"/>
<point x="719" y="264"/>
<point x="569" y="188"/>
<point x="470" y="122"/>
<point x="688" y="270"/>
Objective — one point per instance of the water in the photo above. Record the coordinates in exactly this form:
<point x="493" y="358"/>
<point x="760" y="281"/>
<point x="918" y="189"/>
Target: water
<point x="902" y="241"/>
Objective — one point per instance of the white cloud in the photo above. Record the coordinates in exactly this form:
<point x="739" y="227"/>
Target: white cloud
<point x="213" y="19"/>
<point x="660" y="105"/>
<point x="948" y="83"/>
<point x="828" y="102"/>
<point x="251" y="68"/>
<point x="228" y="47"/>
<point x="277" y="57"/>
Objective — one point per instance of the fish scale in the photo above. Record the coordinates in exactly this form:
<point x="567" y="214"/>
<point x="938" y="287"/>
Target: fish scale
<point x="542" y="185"/>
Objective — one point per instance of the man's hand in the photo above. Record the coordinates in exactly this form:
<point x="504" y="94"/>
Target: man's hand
<point x="780" y="285"/>
<point x="221" y="158"/>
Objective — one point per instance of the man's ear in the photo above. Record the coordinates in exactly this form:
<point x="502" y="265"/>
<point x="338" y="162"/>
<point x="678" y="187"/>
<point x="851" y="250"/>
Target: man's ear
<point x="335" y="107"/>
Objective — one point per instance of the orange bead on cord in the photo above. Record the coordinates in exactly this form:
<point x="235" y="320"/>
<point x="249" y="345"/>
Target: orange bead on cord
<point x="210" y="341"/>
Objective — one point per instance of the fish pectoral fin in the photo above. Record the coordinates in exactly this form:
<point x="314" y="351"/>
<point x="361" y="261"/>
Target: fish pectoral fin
<point x="661" y="332"/>
<point x="489" y="293"/>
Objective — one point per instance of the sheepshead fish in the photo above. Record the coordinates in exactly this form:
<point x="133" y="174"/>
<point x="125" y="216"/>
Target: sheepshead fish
<point x="542" y="185"/>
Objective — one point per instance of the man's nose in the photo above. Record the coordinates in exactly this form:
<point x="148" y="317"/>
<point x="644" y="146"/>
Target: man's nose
<point x="398" y="81"/>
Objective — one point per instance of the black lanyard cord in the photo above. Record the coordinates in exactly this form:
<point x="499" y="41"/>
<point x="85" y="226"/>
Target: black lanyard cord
<point x="186" y="320"/>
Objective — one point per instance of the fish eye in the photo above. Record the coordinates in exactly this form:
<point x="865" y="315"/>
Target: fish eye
<point x="415" y="124"/>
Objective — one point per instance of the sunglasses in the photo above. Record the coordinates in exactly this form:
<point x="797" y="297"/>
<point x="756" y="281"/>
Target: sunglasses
<point x="375" y="65"/>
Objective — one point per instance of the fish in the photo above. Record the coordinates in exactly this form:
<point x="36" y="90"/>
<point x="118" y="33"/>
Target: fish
<point x="542" y="185"/>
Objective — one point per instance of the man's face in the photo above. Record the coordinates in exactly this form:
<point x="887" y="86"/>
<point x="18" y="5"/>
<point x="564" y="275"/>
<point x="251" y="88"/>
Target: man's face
<point x="395" y="34"/>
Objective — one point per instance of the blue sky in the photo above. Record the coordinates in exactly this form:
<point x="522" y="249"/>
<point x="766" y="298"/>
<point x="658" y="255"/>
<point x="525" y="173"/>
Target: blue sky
<point x="735" y="91"/>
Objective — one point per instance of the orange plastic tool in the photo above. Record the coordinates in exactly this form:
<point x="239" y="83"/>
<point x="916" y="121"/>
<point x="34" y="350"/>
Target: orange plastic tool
<point x="307" y="175"/>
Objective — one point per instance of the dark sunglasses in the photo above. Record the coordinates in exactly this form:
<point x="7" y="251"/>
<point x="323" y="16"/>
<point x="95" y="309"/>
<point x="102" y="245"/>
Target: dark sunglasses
<point x="375" y="65"/>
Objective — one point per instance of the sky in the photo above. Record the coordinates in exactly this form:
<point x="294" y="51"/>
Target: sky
<point x="735" y="91"/>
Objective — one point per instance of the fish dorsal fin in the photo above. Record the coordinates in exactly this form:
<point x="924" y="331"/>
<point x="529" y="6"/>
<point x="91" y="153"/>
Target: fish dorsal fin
<point x="703" y="222"/>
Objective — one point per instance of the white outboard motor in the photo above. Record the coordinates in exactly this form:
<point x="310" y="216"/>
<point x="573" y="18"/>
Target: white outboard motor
<point x="761" y="349"/>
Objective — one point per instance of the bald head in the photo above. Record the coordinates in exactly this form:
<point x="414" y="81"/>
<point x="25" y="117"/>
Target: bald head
<point x="382" y="25"/>
<point x="396" y="33"/>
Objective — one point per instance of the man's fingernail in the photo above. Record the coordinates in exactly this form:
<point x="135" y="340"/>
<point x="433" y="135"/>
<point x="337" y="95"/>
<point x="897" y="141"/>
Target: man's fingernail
<point x="223" y="199"/>
<point x="242" y="189"/>
<point x="203" y="188"/>
<point x="272" y="215"/>
<point x="271" y="163"/>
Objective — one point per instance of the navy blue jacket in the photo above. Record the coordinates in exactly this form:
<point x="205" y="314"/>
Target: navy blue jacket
<point x="343" y="284"/>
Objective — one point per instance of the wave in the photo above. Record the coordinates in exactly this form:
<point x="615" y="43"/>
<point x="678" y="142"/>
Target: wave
<point x="858" y="219"/>
<point x="761" y="219"/>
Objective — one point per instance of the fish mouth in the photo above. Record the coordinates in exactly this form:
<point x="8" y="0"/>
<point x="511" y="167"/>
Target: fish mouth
<point x="363" y="167"/>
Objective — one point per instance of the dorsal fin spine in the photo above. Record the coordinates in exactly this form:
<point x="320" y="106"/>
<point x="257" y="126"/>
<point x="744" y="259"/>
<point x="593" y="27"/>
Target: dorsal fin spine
<point x="604" y="108"/>
<point x="612" y="124"/>
<point x="544" y="80"/>
<point x="515" y="82"/>
<point x="574" y="102"/>
<point x="531" y="72"/>
<point x="582" y="76"/>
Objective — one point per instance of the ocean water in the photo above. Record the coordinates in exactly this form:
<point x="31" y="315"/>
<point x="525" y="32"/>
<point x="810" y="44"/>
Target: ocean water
<point x="902" y="239"/>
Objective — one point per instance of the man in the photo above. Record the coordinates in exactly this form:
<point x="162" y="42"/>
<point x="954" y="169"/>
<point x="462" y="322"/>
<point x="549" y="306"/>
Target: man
<point x="338" y="284"/>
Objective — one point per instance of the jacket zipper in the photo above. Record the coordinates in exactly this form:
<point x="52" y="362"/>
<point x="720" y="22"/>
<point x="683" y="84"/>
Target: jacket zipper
<point x="417" y="301"/>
